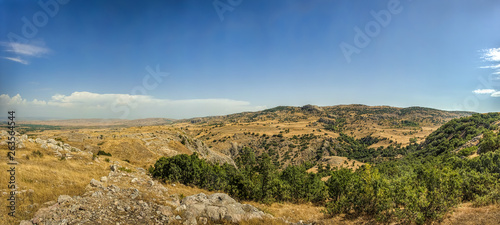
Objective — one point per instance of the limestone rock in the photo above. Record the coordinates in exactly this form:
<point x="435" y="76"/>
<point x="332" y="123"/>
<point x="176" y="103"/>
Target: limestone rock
<point x="63" y="199"/>
<point x="116" y="200"/>
<point x="95" y="183"/>
<point x="216" y="207"/>
<point x="26" y="222"/>
<point x="113" y="167"/>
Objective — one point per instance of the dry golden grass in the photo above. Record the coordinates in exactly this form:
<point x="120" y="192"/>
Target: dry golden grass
<point x="132" y="150"/>
<point x="292" y="212"/>
<point x="179" y="147"/>
<point x="125" y="144"/>
<point x="48" y="177"/>
<point x="261" y="221"/>
<point x="466" y="214"/>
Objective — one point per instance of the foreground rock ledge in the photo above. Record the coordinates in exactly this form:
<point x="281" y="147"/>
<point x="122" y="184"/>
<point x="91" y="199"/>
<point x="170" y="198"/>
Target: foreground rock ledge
<point x="216" y="207"/>
<point x="134" y="198"/>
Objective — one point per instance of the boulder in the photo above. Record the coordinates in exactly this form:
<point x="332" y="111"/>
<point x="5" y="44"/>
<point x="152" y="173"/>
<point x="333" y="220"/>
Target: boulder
<point x="113" y="168"/>
<point x="218" y="206"/>
<point x="95" y="183"/>
<point x="63" y="199"/>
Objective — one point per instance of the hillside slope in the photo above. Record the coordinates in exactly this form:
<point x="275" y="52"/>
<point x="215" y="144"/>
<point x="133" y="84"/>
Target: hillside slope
<point x="293" y="135"/>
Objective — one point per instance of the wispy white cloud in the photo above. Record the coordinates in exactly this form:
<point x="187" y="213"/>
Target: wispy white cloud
<point x="34" y="49"/>
<point x="26" y="49"/>
<point x="484" y="91"/>
<point x="490" y="67"/>
<point x="17" y="59"/>
<point x="94" y="105"/>
<point x="491" y="55"/>
<point x="491" y="92"/>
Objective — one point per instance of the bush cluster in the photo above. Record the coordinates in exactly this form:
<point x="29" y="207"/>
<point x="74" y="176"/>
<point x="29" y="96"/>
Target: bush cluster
<point x="256" y="179"/>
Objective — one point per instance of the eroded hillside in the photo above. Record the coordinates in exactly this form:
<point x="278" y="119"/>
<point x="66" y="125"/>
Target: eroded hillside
<point x="293" y="135"/>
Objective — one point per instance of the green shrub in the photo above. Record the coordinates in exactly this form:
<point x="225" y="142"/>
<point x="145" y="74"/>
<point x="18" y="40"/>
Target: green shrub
<point x="490" y="142"/>
<point x="37" y="153"/>
<point x="256" y="179"/>
<point x="125" y="169"/>
<point x="103" y="153"/>
<point x="492" y="197"/>
<point x="467" y="151"/>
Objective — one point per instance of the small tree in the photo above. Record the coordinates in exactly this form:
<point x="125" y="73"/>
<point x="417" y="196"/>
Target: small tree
<point x="490" y="142"/>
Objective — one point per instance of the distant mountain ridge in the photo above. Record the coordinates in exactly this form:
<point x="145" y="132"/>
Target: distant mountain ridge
<point x="100" y="122"/>
<point x="325" y="110"/>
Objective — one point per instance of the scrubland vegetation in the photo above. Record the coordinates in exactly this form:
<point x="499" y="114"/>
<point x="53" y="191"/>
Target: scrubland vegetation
<point x="432" y="177"/>
<point x="374" y="165"/>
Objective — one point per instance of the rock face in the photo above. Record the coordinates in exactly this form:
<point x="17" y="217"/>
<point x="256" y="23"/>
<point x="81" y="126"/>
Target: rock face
<point x="210" y="155"/>
<point x="157" y="144"/>
<point x="216" y="207"/>
<point x="20" y="139"/>
<point x="134" y="198"/>
<point x="473" y="142"/>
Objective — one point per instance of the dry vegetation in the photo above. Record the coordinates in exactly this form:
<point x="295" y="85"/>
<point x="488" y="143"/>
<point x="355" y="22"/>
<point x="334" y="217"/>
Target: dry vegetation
<point x="43" y="178"/>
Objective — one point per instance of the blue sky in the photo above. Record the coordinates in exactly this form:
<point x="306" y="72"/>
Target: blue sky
<point x="187" y="58"/>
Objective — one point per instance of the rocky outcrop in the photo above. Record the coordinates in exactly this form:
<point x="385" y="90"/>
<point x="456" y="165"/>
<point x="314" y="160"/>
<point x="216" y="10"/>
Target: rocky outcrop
<point x="210" y="155"/>
<point x="119" y="198"/>
<point x="473" y="142"/>
<point x="134" y="198"/>
<point x="160" y="145"/>
<point x="59" y="148"/>
<point x="20" y="139"/>
<point x="216" y="207"/>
